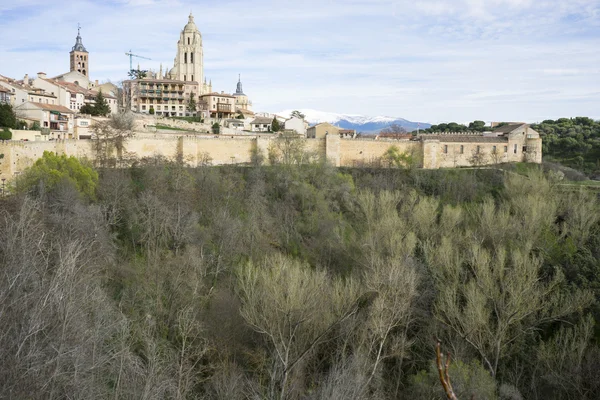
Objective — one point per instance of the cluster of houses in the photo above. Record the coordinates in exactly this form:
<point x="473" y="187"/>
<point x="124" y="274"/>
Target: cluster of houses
<point x="52" y="105"/>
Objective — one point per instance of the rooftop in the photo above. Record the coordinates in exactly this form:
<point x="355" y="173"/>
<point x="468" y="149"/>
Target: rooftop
<point x="262" y="120"/>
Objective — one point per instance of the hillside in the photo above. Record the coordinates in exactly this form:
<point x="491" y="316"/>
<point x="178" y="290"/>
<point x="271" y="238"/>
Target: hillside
<point x="287" y="282"/>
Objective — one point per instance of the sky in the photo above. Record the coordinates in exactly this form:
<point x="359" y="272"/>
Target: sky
<point x="423" y="60"/>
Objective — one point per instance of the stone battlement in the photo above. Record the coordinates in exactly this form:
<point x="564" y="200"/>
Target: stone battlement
<point x="434" y="152"/>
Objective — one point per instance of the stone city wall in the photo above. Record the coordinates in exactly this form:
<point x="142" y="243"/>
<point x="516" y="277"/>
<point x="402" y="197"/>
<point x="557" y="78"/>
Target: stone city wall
<point x="15" y="156"/>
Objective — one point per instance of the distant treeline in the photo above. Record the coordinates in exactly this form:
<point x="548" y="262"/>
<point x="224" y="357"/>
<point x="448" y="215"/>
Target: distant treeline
<point x="296" y="282"/>
<point x="574" y="142"/>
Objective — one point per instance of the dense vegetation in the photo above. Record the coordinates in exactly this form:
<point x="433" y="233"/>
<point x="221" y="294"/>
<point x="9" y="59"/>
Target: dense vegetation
<point x="296" y="282"/>
<point x="574" y="142"/>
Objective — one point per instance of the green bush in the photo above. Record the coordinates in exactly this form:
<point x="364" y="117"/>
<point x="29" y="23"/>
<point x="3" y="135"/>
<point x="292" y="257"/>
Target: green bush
<point x="52" y="170"/>
<point x="5" y="134"/>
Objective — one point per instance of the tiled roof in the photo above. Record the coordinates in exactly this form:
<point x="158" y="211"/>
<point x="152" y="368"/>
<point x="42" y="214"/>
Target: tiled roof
<point x="261" y="120"/>
<point x="53" y="107"/>
<point x="508" y="128"/>
<point x="73" y="87"/>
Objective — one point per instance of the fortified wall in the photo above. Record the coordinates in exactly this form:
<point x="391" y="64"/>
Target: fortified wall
<point x="430" y="152"/>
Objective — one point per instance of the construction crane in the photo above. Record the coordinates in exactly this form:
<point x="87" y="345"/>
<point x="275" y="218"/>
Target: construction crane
<point x="131" y="55"/>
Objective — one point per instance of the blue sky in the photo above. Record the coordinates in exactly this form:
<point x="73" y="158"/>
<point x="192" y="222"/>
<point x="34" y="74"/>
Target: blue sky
<point x="425" y="60"/>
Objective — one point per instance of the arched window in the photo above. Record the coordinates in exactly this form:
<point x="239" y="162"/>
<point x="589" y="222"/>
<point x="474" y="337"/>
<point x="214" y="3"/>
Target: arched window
<point x="188" y="40"/>
<point x="192" y="78"/>
<point x="184" y="78"/>
<point x="185" y="58"/>
<point x="192" y="58"/>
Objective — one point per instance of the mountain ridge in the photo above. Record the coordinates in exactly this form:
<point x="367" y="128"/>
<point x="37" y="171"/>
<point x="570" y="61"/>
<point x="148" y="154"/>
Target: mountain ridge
<point x="360" y="123"/>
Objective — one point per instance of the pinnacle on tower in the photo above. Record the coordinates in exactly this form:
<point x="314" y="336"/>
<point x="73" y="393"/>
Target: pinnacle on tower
<point x="78" y="43"/>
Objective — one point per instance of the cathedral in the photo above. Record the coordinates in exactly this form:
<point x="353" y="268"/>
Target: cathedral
<point x="189" y="61"/>
<point x="168" y="92"/>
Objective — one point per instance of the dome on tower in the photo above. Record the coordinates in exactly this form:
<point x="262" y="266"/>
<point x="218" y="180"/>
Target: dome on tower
<point x="238" y="90"/>
<point x="78" y="43"/>
<point x="191" y="25"/>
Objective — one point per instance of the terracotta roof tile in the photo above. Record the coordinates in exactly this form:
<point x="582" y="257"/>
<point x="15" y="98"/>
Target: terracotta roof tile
<point x="53" y="107"/>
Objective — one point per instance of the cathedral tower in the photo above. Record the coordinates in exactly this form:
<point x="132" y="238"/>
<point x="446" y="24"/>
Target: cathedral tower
<point x="79" y="56"/>
<point x="189" y="62"/>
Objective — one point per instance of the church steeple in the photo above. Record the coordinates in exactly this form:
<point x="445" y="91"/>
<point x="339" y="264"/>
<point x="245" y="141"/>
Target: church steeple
<point x="78" y="43"/>
<point x="79" y="56"/>
<point x="239" y="90"/>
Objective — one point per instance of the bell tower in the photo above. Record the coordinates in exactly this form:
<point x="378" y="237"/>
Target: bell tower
<point x="79" y="56"/>
<point x="189" y="62"/>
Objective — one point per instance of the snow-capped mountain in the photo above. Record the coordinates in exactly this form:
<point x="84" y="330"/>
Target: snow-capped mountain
<point x="360" y="123"/>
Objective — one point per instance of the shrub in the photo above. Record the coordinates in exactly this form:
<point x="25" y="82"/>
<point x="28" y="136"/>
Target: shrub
<point x="5" y="134"/>
<point x="52" y="170"/>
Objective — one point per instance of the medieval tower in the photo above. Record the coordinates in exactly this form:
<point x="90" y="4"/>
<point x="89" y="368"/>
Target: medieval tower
<point x="189" y="62"/>
<point x="79" y="57"/>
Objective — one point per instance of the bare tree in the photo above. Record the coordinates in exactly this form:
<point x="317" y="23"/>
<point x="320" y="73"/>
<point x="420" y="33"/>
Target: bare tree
<point x="295" y="309"/>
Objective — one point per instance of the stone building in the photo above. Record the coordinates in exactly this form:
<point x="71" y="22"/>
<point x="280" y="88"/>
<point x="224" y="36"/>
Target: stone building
<point x="169" y="94"/>
<point x="55" y="120"/>
<point x="261" y="124"/>
<point x="321" y="130"/>
<point x="516" y="142"/>
<point x="295" y="124"/>
<point x="220" y="105"/>
<point x="72" y="95"/>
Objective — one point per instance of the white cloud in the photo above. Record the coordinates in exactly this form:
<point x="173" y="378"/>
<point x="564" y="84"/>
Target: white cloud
<point x="426" y="60"/>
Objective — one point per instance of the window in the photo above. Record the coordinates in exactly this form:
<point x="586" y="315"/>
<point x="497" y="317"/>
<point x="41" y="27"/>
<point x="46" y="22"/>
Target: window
<point x="506" y="149"/>
<point x="515" y="149"/>
<point x="173" y="108"/>
<point x="524" y="149"/>
<point x="494" y="149"/>
<point x="143" y="107"/>
<point x="462" y="149"/>
<point x="185" y="58"/>
<point x="445" y="149"/>
<point x="184" y="78"/>
<point x="478" y="149"/>
<point x="188" y="40"/>
<point x="529" y="136"/>
<point x="192" y="78"/>
<point x="192" y="58"/>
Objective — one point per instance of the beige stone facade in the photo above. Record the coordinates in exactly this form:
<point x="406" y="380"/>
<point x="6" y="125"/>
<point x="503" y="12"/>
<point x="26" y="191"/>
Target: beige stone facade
<point x="220" y="105"/>
<point x="166" y="97"/>
<point x="55" y="120"/>
<point x="319" y="131"/>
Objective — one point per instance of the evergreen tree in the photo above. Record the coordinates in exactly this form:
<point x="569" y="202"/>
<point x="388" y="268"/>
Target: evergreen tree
<point x="275" y="126"/>
<point x="192" y="105"/>
<point x="88" y="109"/>
<point x="101" y="105"/>
<point x="8" y="118"/>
